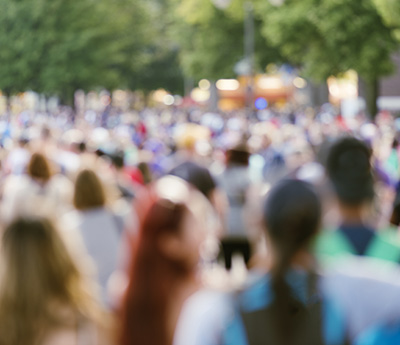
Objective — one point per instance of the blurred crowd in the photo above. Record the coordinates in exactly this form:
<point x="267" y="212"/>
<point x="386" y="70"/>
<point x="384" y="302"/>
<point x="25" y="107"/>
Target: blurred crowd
<point x="179" y="227"/>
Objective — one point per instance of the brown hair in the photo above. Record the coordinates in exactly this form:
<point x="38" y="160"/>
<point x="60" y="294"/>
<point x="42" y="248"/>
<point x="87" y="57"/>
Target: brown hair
<point x="39" y="167"/>
<point x="89" y="192"/>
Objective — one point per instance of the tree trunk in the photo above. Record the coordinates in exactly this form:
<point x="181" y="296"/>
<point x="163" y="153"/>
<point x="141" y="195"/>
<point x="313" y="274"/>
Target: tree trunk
<point x="319" y="93"/>
<point x="7" y="94"/>
<point x="214" y="97"/>
<point x="373" y="94"/>
<point x="67" y="98"/>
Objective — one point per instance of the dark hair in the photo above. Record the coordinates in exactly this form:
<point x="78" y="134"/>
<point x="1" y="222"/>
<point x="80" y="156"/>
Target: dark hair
<point x="238" y="155"/>
<point x="349" y="169"/>
<point x="152" y="276"/>
<point x="292" y="216"/>
<point x="38" y="167"/>
<point x="118" y="160"/>
<point x="82" y="147"/>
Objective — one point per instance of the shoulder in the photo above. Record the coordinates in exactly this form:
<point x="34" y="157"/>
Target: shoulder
<point x="366" y="288"/>
<point x="202" y="318"/>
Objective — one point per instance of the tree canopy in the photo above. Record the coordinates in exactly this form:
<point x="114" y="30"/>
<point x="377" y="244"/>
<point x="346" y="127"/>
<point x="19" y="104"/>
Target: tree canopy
<point x="330" y="37"/>
<point x="57" y="46"/>
<point x="211" y="39"/>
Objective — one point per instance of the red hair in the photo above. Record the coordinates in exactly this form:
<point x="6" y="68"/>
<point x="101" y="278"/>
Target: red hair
<point x="152" y="275"/>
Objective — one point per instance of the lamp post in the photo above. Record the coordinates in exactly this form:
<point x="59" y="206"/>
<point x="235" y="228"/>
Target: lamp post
<point x="247" y="65"/>
<point x="249" y="48"/>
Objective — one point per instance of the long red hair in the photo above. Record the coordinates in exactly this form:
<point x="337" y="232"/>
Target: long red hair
<point x="152" y="275"/>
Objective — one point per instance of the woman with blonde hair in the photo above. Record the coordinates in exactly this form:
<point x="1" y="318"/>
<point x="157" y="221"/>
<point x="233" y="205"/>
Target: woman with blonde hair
<point x="43" y="297"/>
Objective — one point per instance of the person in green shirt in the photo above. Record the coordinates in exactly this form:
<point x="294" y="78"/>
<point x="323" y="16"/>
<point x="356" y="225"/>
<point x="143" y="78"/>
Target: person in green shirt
<point x="350" y="172"/>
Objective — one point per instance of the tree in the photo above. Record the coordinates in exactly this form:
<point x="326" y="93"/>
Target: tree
<point x="58" y="46"/>
<point x="328" y="37"/>
<point x="160" y="66"/>
<point x="211" y="39"/>
<point x="390" y="11"/>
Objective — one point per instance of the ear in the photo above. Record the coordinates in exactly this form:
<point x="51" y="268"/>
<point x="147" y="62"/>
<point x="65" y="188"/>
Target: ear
<point x="171" y="246"/>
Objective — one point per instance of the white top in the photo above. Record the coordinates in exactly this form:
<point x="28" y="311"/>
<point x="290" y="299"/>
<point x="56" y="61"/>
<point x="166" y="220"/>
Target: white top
<point x="101" y="234"/>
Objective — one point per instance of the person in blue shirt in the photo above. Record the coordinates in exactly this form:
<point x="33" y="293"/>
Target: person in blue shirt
<point x="288" y="305"/>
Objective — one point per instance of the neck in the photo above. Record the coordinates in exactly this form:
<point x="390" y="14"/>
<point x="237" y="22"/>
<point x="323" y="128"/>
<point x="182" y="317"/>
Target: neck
<point x="303" y="259"/>
<point x="352" y="214"/>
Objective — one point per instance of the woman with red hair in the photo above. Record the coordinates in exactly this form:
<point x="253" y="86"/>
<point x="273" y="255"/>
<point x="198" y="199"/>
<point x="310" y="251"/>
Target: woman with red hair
<point x="163" y="271"/>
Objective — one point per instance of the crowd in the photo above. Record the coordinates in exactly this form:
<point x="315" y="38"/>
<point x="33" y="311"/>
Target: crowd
<point x="182" y="227"/>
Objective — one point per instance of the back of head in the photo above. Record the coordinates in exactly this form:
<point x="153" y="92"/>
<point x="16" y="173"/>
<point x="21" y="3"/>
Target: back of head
<point x="197" y="175"/>
<point x="162" y="262"/>
<point x="349" y="169"/>
<point x="292" y="215"/>
<point x="39" y="168"/>
<point x="238" y="155"/>
<point x="88" y="192"/>
<point x="37" y="275"/>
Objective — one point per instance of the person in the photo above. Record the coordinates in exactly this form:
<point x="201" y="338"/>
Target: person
<point x="350" y="172"/>
<point x="44" y="298"/>
<point x="18" y="158"/>
<point x="235" y="182"/>
<point x="39" y="191"/>
<point x="99" y="227"/>
<point x="296" y="301"/>
<point x="287" y="306"/>
<point x="165" y="259"/>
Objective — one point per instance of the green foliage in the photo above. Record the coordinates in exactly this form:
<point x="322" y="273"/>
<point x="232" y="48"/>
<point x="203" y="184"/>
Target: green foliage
<point x="211" y="39"/>
<point x="390" y="11"/>
<point x="58" y="46"/>
<point x="160" y="66"/>
<point x="329" y="37"/>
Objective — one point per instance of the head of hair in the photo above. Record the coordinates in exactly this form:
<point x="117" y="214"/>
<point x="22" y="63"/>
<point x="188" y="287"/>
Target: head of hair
<point x="39" y="168"/>
<point x="155" y="275"/>
<point x="38" y="277"/>
<point x="349" y="169"/>
<point x="82" y="147"/>
<point x="238" y="155"/>
<point x="88" y="192"/>
<point x="292" y="216"/>
<point x="118" y="160"/>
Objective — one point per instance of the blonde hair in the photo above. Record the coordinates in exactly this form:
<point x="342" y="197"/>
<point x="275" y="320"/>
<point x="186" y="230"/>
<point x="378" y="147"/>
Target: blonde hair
<point x="89" y="192"/>
<point x="38" y="279"/>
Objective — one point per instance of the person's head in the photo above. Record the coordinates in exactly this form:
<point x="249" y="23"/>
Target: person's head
<point x="118" y="160"/>
<point x="238" y="155"/>
<point x="88" y="192"/>
<point x="292" y="216"/>
<point x="172" y="218"/>
<point x="39" y="168"/>
<point x="349" y="169"/>
<point x="37" y="276"/>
